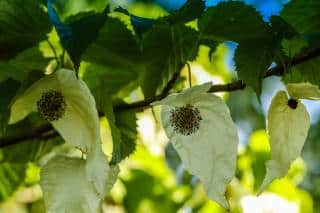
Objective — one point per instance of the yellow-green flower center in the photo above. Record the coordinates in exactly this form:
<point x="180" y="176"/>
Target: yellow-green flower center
<point x="52" y="105"/>
<point x="185" y="120"/>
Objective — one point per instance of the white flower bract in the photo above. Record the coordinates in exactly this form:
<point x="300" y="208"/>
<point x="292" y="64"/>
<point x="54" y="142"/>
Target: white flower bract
<point x="288" y="129"/>
<point x="210" y="151"/>
<point x="79" y="123"/>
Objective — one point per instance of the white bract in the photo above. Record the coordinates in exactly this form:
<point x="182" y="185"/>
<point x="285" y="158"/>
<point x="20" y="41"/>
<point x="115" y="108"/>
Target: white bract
<point x="200" y="128"/>
<point x="288" y="124"/>
<point x="69" y="184"/>
<point x="303" y="91"/>
<point x="66" y="188"/>
<point x="98" y="171"/>
<point x="78" y="121"/>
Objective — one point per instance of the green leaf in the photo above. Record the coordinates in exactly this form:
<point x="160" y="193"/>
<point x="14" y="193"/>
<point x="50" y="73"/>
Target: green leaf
<point x="123" y="128"/>
<point x="293" y="47"/>
<point x="19" y="67"/>
<point x="233" y="21"/>
<point x="303" y="15"/>
<point x="166" y="49"/>
<point x="8" y="90"/>
<point x="84" y="32"/>
<point x="303" y="91"/>
<point x="282" y="29"/>
<point x="68" y="8"/>
<point x="191" y="10"/>
<point x="103" y="79"/>
<point x="288" y="129"/>
<point x="252" y="61"/>
<point x="307" y="71"/>
<point x="115" y="47"/>
<point x="28" y="151"/>
<point x="12" y="176"/>
<point x="114" y="59"/>
<point x="23" y="23"/>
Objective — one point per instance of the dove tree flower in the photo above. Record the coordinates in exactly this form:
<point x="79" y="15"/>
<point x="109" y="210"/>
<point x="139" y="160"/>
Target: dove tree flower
<point x="69" y="184"/>
<point x="288" y="124"/>
<point x="65" y="102"/>
<point x="199" y="126"/>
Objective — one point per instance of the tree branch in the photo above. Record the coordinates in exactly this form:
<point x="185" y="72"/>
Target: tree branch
<point x="46" y="132"/>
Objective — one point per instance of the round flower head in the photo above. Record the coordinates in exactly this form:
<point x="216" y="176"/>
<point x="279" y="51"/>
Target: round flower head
<point x="65" y="102"/>
<point x="200" y="128"/>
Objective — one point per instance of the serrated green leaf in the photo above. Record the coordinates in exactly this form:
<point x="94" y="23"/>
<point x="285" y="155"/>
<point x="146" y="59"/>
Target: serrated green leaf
<point x="12" y="176"/>
<point x="23" y="23"/>
<point x="84" y="32"/>
<point x="233" y="21"/>
<point x="113" y="59"/>
<point x="166" y="49"/>
<point x="282" y="29"/>
<point x="8" y="90"/>
<point x="124" y="132"/>
<point x="288" y="129"/>
<point x="252" y="62"/>
<point x="28" y="151"/>
<point x="304" y="91"/>
<point x="293" y="47"/>
<point x="303" y="15"/>
<point x="191" y="10"/>
<point x="115" y="46"/>
<point x="102" y="79"/>
<point x="307" y="71"/>
<point x="68" y="8"/>
<point x="18" y="68"/>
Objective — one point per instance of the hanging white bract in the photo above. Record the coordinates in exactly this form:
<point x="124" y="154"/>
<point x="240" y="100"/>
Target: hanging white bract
<point x="69" y="184"/>
<point x="288" y="124"/>
<point x="200" y="128"/>
<point x="66" y="103"/>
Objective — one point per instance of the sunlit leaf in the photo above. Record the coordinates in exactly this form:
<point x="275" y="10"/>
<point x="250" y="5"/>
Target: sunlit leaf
<point x="304" y="91"/>
<point x="19" y="67"/>
<point x="23" y="23"/>
<point x="12" y="176"/>
<point x="303" y="15"/>
<point x="252" y="62"/>
<point x="165" y="51"/>
<point x="191" y="10"/>
<point x="8" y="90"/>
<point x="288" y="128"/>
<point x="69" y="8"/>
<point x="233" y="21"/>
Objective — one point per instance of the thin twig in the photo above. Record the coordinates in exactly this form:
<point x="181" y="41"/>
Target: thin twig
<point x="42" y="132"/>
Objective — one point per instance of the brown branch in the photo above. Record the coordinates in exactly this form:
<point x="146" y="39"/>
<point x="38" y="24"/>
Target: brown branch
<point x="42" y="132"/>
<point x="37" y="133"/>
